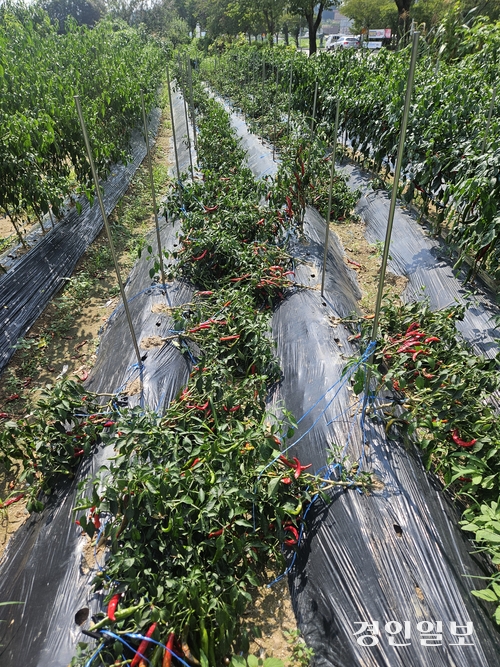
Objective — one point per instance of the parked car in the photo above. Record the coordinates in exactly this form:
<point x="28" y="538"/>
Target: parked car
<point x="330" y="41"/>
<point x="346" y="42"/>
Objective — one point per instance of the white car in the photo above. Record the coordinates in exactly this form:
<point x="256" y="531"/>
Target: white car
<point x="330" y="41"/>
<point x="346" y="42"/>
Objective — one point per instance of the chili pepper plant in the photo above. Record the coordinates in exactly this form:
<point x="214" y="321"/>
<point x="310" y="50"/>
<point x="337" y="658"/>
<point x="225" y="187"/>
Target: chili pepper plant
<point x="446" y="401"/>
<point x="198" y="504"/>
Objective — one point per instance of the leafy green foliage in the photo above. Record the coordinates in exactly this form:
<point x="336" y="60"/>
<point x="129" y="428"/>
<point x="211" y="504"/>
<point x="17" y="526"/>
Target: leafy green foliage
<point x="444" y="400"/>
<point x="40" y="73"/>
<point x="450" y="162"/>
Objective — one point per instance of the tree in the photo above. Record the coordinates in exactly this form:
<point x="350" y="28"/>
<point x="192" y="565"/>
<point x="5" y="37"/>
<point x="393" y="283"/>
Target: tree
<point x="403" y="15"/>
<point x="83" y="11"/>
<point x="312" y="11"/>
<point x="371" y="14"/>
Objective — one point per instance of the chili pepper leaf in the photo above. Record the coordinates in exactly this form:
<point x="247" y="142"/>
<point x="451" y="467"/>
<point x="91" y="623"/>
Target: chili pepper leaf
<point x="272" y="486"/>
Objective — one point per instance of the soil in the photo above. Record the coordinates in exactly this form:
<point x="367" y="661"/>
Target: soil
<point x="365" y="259"/>
<point x="271" y="616"/>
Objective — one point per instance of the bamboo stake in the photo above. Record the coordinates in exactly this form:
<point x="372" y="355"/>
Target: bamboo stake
<point x="290" y="97"/>
<point x="153" y="193"/>
<point x="187" y="130"/>
<point x="275" y="110"/>
<point x="332" y="174"/>
<point x="173" y="126"/>
<point x="108" y="230"/>
<point x="193" y="115"/>
<point x="397" y="173"/>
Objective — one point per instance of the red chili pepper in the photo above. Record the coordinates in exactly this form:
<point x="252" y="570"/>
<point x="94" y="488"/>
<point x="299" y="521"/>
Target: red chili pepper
<point x="197" y="259"/>
<point x="299" y="467"/>
<point x="261" y="221"/>
<point x="206" y="293"/>
<point x="236" y="407"/>
<point x="77" y="451"/>
<point x="194" y="463"/>
<point x="167" y="656"/>
<point x="216" y="533"/>
<point x="465" y="479"/>
<point x="413" y="327"/>
<point x="143" y="647"/>
<point x="286" y="480"/>
<point x="3" y="415"/>
<point x="432" y="339"/>
<point x="12" y="397"/>
<point x="283" y="459"/>
<point x="184" y="394"/>
<point x="11" y="501"/>
<point x="225" y="338"/>
<point x="407" y="348"/>
<point x="290" y="542"/>
<point x="417" y="352"/>
<point x="237" y="280"/>
<point x="427" y="375"/>
<point x="211" y="209"/>
<point x="109" y="423"/>
<point x="112" y="605"/>
<point x="458" y="440"/>
<point x="96" y="521"/>
<point x="350" y="261"/>
<point x="198" y="407"/>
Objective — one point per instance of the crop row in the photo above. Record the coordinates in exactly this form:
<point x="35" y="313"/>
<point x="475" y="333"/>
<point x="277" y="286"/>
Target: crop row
<point x="444" y="396"/>
<point x="42" y="153"/>
<point x="451" y="152"/>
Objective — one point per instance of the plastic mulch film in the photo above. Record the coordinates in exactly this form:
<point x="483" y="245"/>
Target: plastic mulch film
<point x="33" y="279"/>
<point x="48" y="564"/>
<point x="392" y="560"/>
<point x="422" y="260"/>
<point x="384" y="578"/>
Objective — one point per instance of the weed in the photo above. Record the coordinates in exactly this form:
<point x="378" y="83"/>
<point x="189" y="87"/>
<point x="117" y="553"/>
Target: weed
<point x="302" y="655"/>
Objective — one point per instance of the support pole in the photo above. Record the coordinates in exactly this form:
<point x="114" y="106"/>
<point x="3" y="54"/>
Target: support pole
<point x="397" y="173"/>
<point x="332" y="175"/>
<point x="290" y="97"/>
<point x="490" y="114"/>
<point x="106" y="225"/>
<point x="173" y="126"/>
<point x="311" y="136"/>
<point x="193" y="115"/>
<point x="275" y="110"/>
<point x="187" y="130"/>
<point x="153" y="193"/>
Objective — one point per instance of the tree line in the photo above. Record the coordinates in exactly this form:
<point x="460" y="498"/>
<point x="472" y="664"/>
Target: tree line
<point x="177" y="20"/>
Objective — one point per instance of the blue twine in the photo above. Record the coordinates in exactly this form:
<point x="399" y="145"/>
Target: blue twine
<point x="142" y="638"/>
<point x="93" y="657"/>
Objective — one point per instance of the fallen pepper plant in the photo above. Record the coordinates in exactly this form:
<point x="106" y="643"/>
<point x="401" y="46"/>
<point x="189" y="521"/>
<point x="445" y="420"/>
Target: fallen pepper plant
<point x="197" y="506"/>
<point x="445" y="401"/>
